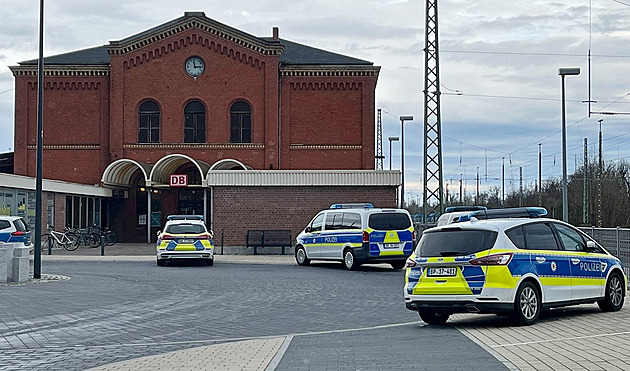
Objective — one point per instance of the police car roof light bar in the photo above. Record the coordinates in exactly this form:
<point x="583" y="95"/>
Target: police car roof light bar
<point x="452" y="209"/>
<point x="516" y="212"/>
<point x="184" y="217"/>
<point x="352" y="206"/>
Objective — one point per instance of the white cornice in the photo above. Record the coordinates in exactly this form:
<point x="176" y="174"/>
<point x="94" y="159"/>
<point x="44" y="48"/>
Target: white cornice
<point x="62" y="70"/>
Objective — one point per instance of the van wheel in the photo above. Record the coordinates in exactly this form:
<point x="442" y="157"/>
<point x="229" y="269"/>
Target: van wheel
<point x="613" y="299"/>
<point x="300" y="256"/>
<point x="527" y="305"/>
<point x="398" y="265"/>
<point x="434" y="318"/>
<point x="210" y="262"/>
<point x="160" y="262"/>
<point x="349" y="260"/>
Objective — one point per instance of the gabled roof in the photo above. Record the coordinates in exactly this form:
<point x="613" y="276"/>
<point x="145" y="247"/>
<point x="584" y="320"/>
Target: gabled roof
<point x="291" y="53"/>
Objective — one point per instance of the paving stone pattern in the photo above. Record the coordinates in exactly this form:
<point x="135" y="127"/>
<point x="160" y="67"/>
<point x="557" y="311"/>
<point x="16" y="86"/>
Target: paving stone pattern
<point x="111" y="311"/>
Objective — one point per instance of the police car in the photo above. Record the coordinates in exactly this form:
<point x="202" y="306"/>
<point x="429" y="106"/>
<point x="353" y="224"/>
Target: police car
<point x="355" y="234"/>
<point x="185" y="237"/>
<point x="510" y="261"/>
<point x="13" y="229"/>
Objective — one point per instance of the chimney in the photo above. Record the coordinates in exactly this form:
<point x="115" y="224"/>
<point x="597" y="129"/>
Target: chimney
<point x="275" y="34"/>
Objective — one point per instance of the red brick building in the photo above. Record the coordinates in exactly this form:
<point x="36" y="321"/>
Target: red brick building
<point x="194" y="96"/>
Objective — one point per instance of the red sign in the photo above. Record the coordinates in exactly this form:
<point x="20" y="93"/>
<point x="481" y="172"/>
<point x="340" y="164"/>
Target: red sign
<point x="179" y="180"/>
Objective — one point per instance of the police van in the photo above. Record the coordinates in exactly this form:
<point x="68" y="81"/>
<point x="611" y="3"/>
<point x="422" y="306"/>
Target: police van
<point x="356" y="234"/>
<point x="510" y="261"/>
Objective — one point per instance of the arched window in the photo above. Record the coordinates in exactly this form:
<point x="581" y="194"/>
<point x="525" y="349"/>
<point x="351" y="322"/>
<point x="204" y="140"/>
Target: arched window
<point x="195" y="122"/>
<point x="240" y="123"/>
<point x="149" y="122"/>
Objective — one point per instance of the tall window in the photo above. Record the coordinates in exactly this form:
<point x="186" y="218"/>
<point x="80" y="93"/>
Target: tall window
<point x="195" y="123"/>
<point x="240" y="123"/>
<point x="149" y="122"/>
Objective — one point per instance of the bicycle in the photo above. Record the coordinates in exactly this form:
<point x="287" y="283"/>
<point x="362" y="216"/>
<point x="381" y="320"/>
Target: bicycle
<point x="108" y="236"/>
<point x="67" y="240"/>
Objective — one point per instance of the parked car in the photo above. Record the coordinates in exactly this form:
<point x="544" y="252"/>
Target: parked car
<point x="356" y="234"/>
<point x="510" y="261"/>
<point x="13" y="229"/>
<point x="185" y="237"/>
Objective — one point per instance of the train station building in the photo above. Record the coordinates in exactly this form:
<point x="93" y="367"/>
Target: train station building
<point x="196" y="117"/>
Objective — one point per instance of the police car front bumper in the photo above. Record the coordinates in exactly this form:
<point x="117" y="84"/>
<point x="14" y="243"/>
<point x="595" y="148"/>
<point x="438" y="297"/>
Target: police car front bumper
<point x="199" y="254"/>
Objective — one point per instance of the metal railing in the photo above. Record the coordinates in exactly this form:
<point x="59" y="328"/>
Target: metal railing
<point x="615" y="240"/>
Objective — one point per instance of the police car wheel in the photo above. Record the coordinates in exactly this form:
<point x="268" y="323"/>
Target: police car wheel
<point x="434" y="318"/>
<point x="349" y="260"/>
<point x="527" y="305"/>
<point x="160" y="262"/>
<point x="613" y="299"/>
<point x="300" y="256"/>
<point x="209" y="262"/>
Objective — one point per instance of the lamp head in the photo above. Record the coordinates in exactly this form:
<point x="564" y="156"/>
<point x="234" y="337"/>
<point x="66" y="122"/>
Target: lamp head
<point x="564" y="71"/>
<point x="406" y="118"/>
<point x="393" y="139"/>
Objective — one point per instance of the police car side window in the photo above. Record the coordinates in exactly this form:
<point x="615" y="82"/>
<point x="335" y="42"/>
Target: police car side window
<point x="316" y="225"/>
<point x="517" y="237"/>
<point x="539" y="236"/>
<point x="4" y="224"/>
<point x="351" y="221"/>
<point x="571" y="239"/>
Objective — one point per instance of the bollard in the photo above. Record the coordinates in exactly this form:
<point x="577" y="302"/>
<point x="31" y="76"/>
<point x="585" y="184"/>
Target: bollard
<point x="50" y="243"/>
<point x="6" y="262"/>
<point x="102" y="245"/>
<point x="221" y="241"/>
<point x="20" y="264"/>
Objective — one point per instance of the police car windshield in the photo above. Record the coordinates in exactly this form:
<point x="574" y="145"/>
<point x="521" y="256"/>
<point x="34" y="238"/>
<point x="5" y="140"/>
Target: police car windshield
<point x="185" y="229"/>
<point x="455" y="242"/>
<point x="389" y="221"/>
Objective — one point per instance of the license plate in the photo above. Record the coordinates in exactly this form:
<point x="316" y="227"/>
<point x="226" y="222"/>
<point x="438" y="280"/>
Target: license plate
<point x="187" y="241"/>
<point x="442" y="272"/>
<point x="391" y="245"/>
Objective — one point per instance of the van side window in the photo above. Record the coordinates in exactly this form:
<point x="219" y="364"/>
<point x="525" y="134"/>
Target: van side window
<point x="351" y="221"/>
<point x="333" y="221"/>
<point x="539" y="236"/>
<point x="316" y="225"/>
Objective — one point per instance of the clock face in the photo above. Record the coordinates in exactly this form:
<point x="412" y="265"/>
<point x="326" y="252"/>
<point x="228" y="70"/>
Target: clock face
<point x="194" y="66"/>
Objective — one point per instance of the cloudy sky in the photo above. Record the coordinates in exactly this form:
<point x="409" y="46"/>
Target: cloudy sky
<point x="499" y="68"/>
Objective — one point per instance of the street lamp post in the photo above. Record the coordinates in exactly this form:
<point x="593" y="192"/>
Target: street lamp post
<point x="567" y="71"/>
<point x="391" y="139"/>
<point x="402" y="158"/>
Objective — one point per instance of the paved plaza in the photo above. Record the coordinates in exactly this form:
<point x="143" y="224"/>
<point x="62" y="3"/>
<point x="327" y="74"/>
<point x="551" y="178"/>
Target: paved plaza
<point x="263" y="312"/>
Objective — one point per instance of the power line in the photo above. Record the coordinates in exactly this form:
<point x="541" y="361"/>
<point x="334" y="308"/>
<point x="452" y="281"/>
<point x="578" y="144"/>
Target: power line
<point x="535" y="54"/>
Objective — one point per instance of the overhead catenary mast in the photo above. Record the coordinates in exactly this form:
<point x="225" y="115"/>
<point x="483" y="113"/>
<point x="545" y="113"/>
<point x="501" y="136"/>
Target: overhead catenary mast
<point x="432" y="180"/>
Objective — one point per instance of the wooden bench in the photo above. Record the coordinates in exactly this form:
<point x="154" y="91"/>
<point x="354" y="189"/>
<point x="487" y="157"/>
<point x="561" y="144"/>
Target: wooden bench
<point x="268" y="238"/>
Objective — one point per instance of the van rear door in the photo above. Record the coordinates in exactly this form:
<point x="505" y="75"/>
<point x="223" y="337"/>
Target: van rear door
<point x="391" y="233"/>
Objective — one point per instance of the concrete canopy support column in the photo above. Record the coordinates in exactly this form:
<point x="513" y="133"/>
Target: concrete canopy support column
<point x="148" y="215"/>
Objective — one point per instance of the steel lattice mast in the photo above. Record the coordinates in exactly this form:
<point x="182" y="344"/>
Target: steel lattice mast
<point x="379" y="142"/>
<point x="432" y="180"/>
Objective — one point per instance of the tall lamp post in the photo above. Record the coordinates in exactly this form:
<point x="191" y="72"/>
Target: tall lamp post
<point x="402" y="158"/>
<point x="391" y="139"/>
<point x="566" y="71"/>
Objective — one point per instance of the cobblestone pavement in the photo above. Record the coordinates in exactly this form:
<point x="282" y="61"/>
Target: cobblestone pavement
<point x="119" y="309"/>
<point x="572" y="338"/>
<point x="120" y="312"/>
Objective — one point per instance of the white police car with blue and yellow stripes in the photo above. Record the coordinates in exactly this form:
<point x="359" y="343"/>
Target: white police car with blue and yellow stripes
<point x="185" y="237"/>
<point x="509" y="261"/>
<point x="356" y="234"/>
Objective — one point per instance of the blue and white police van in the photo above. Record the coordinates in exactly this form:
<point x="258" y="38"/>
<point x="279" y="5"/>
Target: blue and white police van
<point x="356" y="234"/>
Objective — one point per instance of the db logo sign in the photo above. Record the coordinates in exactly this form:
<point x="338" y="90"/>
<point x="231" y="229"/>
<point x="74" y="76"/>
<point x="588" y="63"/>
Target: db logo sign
<point x="179" y="180"/>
